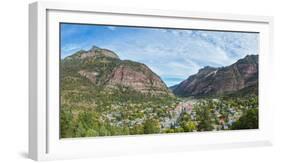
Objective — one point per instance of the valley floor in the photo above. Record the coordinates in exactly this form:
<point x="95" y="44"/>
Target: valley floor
<point x="161" y="116"/>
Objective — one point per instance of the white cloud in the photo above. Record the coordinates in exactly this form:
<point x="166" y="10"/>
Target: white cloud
<point x="69" y="49"/>
<point x="111" y="28"/>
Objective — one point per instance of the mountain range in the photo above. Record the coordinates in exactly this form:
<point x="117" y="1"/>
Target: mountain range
<point x="239" y="78"/>
<point x="103" y="69"/>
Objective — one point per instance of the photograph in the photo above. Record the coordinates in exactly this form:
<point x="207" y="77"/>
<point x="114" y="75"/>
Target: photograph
<point x="118" y="80"/>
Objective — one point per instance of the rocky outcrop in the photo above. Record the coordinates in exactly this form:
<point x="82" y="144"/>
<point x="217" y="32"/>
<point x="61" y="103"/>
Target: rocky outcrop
<point x="139" y="77"/>
<point x="92" y="76"/>
<point x="216" y="81"/>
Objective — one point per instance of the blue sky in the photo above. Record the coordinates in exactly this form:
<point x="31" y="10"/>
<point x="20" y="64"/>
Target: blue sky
<point x="173" y="54"/>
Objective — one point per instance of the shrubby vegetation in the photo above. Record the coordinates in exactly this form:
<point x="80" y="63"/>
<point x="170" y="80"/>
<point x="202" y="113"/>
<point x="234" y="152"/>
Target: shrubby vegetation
<point x="117" y="114"/>
<point x="248" y="120"/>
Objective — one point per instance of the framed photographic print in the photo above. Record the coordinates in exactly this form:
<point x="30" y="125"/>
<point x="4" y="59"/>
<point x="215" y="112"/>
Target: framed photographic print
<point x="108" y="81"/>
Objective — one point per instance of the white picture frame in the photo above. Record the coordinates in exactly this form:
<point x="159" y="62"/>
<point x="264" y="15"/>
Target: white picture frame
<point x="44" y="142"/>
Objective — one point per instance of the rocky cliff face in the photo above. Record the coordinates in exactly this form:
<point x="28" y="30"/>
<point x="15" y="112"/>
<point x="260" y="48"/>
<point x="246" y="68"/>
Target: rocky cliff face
<point x="137" y="76"/>
<point x="103" y="68"/>
<point x="242" y="75"/>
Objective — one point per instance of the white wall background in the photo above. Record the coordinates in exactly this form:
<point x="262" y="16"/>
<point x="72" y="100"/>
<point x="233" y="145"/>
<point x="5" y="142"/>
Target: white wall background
<point x="14" y="80"/>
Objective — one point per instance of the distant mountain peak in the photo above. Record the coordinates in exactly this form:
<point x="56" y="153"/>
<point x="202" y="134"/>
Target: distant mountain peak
<point x="94" y="47"/>
<point x="253" y="58"/>
<point x="94" y="52"/>
<point x="216" y="81"/>
<point x="206" y="69"/>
